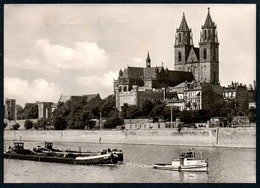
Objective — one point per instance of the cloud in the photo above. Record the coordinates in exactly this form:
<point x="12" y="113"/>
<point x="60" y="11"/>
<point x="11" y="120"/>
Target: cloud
<point x="98" y="84"/>
<point x="84" y="54"/>
<point x="136" y="60"/>
<point x="25" y="91"/>
<point x="27" y="63"/>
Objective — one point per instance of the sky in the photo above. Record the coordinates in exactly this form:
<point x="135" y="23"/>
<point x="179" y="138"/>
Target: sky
<point x="77" y="49"/>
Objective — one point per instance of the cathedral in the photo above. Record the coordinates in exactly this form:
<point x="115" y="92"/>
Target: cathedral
<point x="203" y="61"/>
<point x="194" y="82"/>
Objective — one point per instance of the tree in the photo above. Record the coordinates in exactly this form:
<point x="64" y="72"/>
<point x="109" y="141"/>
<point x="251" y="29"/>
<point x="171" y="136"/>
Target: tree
<point x="28" y="124"/>
<point x="157" y="111"/>
<point x="186" y="116"/>
<point x="107" y="106"/>
<point x="203" y="115"/>
<point x="124" y="109"/>
<point x="90" y="124"/>
<point x="30" y="111"/>
<point x="59" y="123"/>
<point x="147" y="107"/>
<point x="19" y="111"/>
<point x="252" y="114"/>
<point x="15" y="126"/>
<point x="5" y="125"/>
<point x="166" y="113"/>
<point x="9" y="118"/>
<point x="42" y="123"/>
<point x="113" y="121"/>
<point x="132" y="112"/>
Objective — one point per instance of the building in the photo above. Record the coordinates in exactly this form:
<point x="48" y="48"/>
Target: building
<point x="10" y="109"/>
<point x="149" y="78"/>
<point x="203" y="61"/>
<point x="176" y="103"/>
<point x="194" y="84"/>
<point x="202" y="95"/>
<point x="44" y="109"/>
<point x="65" y="98"/>
<point x="252" y="96"/>
<point x="239" y="94"/>
<point x="137" y="96"/>
<point x="137" y="84"/>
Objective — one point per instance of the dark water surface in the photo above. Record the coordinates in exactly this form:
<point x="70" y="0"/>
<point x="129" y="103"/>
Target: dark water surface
<point x="226" y="165"/>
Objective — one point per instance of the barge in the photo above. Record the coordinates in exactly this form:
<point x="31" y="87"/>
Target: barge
<point x="49" y="154"/>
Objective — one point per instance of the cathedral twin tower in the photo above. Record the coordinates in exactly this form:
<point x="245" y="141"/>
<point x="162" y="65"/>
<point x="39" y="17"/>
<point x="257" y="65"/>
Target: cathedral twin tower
<point x="203" y="62"/>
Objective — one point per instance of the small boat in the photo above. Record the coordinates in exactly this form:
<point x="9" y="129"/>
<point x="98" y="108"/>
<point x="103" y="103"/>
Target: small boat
<point x="45" y="154"/>
<point x="186" y="162"/>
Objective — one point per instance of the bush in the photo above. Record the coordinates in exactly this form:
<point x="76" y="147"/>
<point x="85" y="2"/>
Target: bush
<point x="42" y="123"/>
<point x="113" y="122"/>
<point x="59" y="123"/>
<point x="5" y="125"/>
<point x="36" y="125"/>
<point x="252" y="118"/>
<point x="15" y="126"/>
<point x="28" y="124"/>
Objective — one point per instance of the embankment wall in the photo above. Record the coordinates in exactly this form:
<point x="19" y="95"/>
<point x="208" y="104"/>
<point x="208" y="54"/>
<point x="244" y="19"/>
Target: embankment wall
<point x="224" y="137"/>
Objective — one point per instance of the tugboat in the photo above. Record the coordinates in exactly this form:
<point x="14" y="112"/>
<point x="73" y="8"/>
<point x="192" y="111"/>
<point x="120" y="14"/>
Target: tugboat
<point x="49" y="154"/>
<point x="186" y="162"/>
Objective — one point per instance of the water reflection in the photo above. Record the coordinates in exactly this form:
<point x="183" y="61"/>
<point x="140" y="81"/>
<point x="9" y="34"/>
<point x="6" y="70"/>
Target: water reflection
<point x="193" y="177"/>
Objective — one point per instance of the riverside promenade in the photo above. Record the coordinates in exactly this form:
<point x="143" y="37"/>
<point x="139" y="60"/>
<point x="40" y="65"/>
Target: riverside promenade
<point x="215" y="137"/>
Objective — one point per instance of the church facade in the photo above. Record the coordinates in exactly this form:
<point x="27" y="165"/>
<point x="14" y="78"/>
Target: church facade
<point x="202" y="61"/>
<point x="193" y="66"/>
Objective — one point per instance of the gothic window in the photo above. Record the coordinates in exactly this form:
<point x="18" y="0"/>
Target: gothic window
<point x="120" y="89"/>
<point x="205" y="34"/>
<point x="125" y="88"/>
<point x="179" y="56"/>
<point x="205" y="53"/>
<point x="179" y="37"/>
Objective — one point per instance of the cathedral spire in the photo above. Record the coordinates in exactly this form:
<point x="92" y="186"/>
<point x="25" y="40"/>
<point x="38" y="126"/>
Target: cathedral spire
<point x="183" y="26"/>
<point x="208" y="22"/>
<point x="148" y="60"/>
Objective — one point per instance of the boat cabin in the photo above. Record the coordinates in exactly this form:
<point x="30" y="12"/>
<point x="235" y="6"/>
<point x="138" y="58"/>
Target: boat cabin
<point x="187" y="156"/>
<point x="49" y="145"/>
<point x="19" y="145"/>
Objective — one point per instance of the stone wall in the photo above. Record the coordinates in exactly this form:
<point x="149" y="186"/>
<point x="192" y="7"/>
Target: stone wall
<point x="237" y="137"/>
<point x="227" y="137"/>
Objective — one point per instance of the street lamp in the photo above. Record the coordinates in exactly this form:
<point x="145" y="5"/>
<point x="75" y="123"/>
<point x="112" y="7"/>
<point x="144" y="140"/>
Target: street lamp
<point x="100" y="119"/>
<point x="171" y="116"/>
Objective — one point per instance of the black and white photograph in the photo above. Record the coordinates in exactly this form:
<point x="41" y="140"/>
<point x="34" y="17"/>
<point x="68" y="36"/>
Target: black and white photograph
<point x="129" y="93"/>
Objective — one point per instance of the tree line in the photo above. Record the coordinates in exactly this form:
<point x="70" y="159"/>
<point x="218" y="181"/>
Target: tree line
<point x="83" y="114"/>
<point x="160" y="111"/>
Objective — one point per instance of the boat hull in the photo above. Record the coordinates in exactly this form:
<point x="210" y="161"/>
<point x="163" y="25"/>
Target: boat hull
<point x="101" y="159"/>
<point x="39" y="158"/>
<point x="190" y="168"/>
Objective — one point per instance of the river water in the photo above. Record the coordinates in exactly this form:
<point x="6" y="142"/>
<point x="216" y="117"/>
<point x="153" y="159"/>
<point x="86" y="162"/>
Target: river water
<point x="226" y="165"/>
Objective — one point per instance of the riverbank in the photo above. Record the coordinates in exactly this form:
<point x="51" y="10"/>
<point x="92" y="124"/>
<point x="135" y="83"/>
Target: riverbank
<point x="214" y="137"/>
